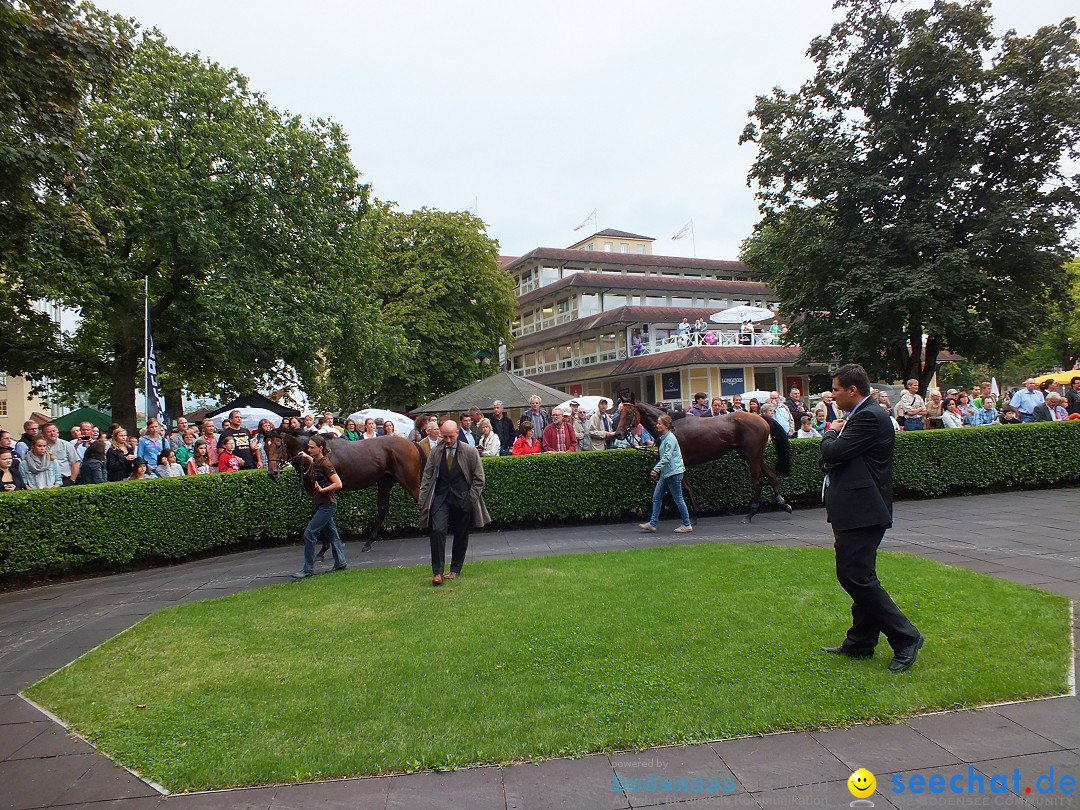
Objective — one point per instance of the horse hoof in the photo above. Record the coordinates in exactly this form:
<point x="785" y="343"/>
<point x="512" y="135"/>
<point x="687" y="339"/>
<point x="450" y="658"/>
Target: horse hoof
<point x="747" y="518"/>
<point x="787" y="508"/>
<point x="367" y="546"/>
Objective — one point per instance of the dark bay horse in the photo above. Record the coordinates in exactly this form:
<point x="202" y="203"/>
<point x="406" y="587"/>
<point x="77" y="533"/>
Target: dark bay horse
<point x="704" y="438"/>
<point x="382" y="461"/>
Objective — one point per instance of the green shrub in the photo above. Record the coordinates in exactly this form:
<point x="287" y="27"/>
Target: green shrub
<point x="172" y="518"/>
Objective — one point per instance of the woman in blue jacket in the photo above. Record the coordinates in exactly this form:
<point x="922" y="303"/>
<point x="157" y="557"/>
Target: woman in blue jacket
<point x="668" y="472"/>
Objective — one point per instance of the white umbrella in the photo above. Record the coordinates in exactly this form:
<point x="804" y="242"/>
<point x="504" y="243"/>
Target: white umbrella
<point x="402" y="423"/>
<point x="742" y="313"/>
<point x="252" y="417"/>
<point x="588" y="404"/>
<point x="760" y="396"/>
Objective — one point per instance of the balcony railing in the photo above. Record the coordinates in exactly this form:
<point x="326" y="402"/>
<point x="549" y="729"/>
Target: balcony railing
<point x="711" y="337"/>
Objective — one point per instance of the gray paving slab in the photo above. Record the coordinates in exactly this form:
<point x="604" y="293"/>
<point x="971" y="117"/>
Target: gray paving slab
<point x="473" y="789"/>
<point x="780" y="761"/>
<point x="1035" y="772"/>
<point x="33" y="783"/>
<point x="564" y="783"/>
<point x="881" y="749"/>
<point x="674" y="775"/>
<point x="976" y="735"/>
<point x="348" y="794"/>
<point x="942" y="787"/>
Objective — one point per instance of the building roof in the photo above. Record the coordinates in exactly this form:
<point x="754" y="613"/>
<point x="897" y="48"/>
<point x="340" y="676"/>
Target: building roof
<point x="581" y="257"/>
<point x="619" y="315"/>
<point x="727" y="355"/>
<point x="505" y="261"/>
<point x="613" y="281"/>
<point x="513" y="391"/>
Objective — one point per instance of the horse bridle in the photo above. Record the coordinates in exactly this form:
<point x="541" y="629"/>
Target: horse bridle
<point x="298" y="462"/>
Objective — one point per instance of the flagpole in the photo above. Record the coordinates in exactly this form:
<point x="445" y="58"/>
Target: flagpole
<point x="693" y="239"/>
<point x="146" y="346"/>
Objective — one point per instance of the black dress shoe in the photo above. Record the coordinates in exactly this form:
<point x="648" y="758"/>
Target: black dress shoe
<point x="905" y="657"/>
<point x="840" y="649"/>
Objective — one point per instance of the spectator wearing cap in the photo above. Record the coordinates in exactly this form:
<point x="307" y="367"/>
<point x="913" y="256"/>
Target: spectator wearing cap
<point x="503" y="427"/>
<point x="1026" y="399"/>
<point x="601" y="427"/>
<point x="700" y="406"/>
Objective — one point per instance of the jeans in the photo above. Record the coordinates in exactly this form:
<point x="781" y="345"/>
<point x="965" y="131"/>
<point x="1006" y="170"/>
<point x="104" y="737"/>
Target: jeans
<point x="913" y="423"/>
<point x="322" y="521"/>
<point x="672" y="484"/>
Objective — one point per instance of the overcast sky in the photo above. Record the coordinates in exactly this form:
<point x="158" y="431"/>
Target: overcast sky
<point x="536" y="113"/>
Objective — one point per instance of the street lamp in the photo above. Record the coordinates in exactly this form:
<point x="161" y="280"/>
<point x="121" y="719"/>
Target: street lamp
<point x="482" y="358"/>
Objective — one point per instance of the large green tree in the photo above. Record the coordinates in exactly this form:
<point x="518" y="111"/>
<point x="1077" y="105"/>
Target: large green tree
<point x="54" y="56"/>
<point x="914" y="189"/>
<point x="440" y="284"/>
<point x="246" y="222"/>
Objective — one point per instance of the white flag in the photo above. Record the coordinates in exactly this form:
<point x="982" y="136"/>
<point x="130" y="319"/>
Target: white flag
<point x="994" y="387"/>
<point x="682" y="233"/>
<point x="590" y="218"/>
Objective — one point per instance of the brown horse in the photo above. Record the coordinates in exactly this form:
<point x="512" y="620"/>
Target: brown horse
<point x="706" y="438"/>
<point x="379" y="461"/>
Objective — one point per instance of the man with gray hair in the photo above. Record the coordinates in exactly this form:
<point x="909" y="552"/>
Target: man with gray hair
<point x="538" y="416"/>
<point x="503" y="427"/>
<point x="559" y="437"/>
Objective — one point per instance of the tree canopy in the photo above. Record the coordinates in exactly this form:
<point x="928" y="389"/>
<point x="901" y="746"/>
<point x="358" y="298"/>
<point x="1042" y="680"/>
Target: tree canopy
<point x="914" y="190"/>
<point x="244" y="221"/>
<point x="441" y="286"/>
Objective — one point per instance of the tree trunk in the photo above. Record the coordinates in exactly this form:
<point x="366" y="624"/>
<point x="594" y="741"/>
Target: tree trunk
<point x="122" y="399"/>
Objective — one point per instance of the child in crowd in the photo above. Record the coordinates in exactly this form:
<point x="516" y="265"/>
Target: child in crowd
<point x="168" y="466"/>
<point x="807" y="431"/>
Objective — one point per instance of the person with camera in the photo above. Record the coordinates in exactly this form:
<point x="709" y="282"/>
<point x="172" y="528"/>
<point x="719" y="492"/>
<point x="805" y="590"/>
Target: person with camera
<point x="325" y="483"/>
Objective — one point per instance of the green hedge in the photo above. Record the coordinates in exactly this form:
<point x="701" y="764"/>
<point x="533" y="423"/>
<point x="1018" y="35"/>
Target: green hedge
<point x="56" y="530"/>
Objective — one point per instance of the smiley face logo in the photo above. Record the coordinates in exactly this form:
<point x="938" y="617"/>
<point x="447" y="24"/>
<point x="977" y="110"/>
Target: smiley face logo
<point x="861" y="783"/>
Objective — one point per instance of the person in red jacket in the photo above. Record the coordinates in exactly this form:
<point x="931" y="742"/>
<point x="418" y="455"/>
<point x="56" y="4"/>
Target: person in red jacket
<point x="228" y="461"/>
<point x="526" y="443"/>
<point x="559" y="437"/>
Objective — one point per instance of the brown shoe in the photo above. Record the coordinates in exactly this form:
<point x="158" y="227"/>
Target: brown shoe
<point x="437" y="579"/>
<point x="451" y="575"/>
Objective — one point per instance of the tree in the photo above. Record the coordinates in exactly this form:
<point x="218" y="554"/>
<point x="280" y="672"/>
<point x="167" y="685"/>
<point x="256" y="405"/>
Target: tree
<point x="54" y="56"/>
<point x="913" y="191"/>
<point x="245" y="222"/>
<point x="440" y="284"/>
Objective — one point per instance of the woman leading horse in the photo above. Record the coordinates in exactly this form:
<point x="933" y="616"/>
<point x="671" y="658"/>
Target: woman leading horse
<point x="707" y="438"/>
<point x="383" y="461"/>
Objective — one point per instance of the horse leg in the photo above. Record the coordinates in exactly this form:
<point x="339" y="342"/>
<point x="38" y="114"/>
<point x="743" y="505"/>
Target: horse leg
<point x="756" y="463"/>
<point x="385" y="485"/>
<point x="691" y="499"/>
<point x="774" y="479"/>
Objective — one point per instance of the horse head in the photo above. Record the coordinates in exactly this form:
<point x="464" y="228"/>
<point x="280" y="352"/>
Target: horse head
<point x="281" y="451"/>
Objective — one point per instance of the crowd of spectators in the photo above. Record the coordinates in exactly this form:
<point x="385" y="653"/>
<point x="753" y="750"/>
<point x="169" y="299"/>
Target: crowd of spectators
<point x="42" y="459"/>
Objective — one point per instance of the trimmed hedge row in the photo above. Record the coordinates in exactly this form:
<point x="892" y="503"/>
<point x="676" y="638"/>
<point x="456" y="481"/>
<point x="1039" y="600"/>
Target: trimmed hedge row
<point x="61" y="529"/>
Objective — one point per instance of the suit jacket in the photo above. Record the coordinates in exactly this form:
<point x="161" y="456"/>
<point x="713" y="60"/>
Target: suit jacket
<point x="859" y="463"/>
<point x="1041" y="413"/>
<point x="468" y="459"/>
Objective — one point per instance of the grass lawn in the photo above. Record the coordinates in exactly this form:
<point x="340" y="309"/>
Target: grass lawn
<point x="375" y="671"/>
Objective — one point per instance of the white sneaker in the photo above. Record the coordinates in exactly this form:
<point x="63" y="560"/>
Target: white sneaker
<point x="684" y="529"/>
<point x="647" y="527"/>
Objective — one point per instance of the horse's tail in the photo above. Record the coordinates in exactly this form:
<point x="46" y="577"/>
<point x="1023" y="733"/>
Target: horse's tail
<point x="783" y="447"/>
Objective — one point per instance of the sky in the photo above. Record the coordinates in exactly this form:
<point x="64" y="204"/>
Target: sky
<point x="535" y="115"/>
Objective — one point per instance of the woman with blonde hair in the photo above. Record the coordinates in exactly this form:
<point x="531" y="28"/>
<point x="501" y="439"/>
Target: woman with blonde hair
<point x="153" y="444"/>
<point x="489" y="444"/>
<point x="119" y="456"/>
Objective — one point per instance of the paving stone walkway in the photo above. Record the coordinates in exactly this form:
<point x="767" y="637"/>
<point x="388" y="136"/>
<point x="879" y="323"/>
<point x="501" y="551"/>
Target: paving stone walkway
<point x="1027" y="537"/>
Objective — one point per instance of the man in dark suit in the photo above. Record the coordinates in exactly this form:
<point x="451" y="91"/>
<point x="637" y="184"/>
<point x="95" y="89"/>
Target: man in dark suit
<point x="857" y="456"/>
<point x="1044" y="412"/>
<point x="451" y="499"/>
